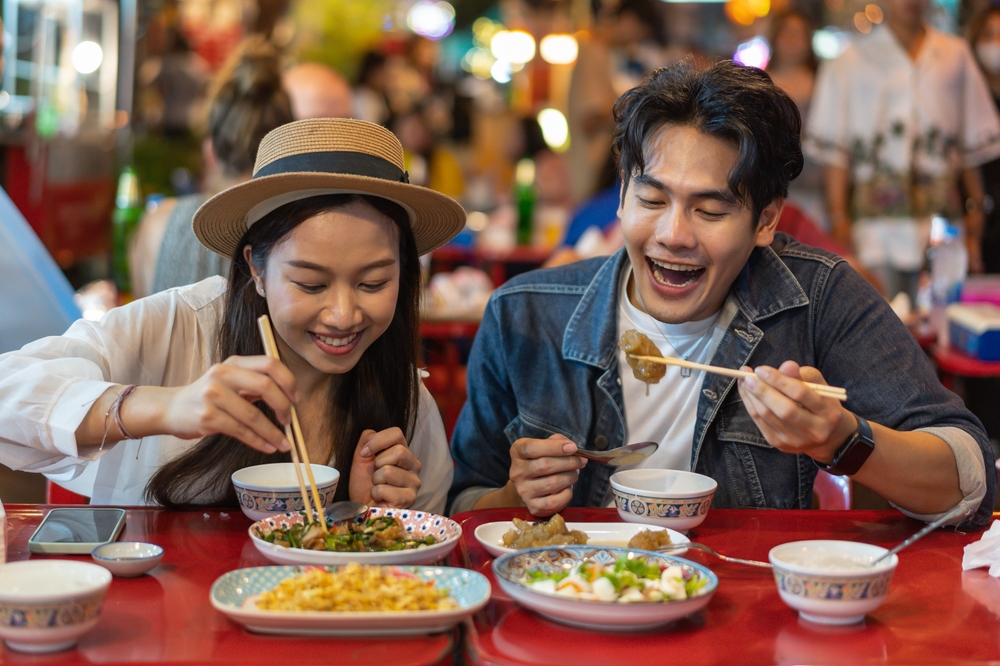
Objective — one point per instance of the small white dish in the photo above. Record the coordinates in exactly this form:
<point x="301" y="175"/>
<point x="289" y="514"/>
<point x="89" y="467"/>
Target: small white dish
<point x="128" y="558"/>
<point x="665" y="497"/>
<point x="512" y="573"/>
<point x="272" y="489"/>
<point x="234" y="594"/>
<point x="47" y="605"/>
<point x="490" y="535"/>
<point x="832" y="582"/>
<point x="418" y="523"/>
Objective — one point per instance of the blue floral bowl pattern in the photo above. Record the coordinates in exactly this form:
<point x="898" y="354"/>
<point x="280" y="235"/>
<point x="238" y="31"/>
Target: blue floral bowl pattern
<point x="37" y="616"/>
<point x="272" y="502"/>
<point x="673" y="513"/>
<point x="832" y="587"/>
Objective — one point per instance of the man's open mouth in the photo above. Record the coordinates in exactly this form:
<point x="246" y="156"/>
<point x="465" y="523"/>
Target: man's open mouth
<point x="674" y="275"/>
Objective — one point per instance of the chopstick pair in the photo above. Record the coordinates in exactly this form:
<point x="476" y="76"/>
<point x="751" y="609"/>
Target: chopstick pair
<point x="300" y="455"/>
<point x="822" y="389"/>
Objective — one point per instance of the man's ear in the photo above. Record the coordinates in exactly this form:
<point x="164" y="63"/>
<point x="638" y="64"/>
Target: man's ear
<point x="768" y="222"/>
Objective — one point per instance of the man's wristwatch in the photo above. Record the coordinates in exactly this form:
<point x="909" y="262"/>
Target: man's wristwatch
<point x="853" y="453"/>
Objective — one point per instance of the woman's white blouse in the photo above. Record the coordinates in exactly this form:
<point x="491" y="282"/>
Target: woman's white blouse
<point x="168" y="339"/>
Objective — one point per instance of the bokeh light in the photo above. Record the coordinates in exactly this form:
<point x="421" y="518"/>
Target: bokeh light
<point x="828" y="43"/>
<point x="555" y="129"/>
<point x="874" y="13"/>
<point x="513" y="46"/>
<point x="862" y="23"/>
<point x="558" y="49"/>
<point x="500" y="71"/>
<point x="431" y="19"/>
<point x="87" y="57"/>
<point x="755" y="53"/>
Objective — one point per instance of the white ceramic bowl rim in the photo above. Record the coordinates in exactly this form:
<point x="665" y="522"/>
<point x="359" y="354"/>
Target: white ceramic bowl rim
<point x="145" y="551"/>
<point x="854" y="547"/>
<point x="689" y="484"/>
<point x="95" y="579"/>
<point x="281" y="477"/>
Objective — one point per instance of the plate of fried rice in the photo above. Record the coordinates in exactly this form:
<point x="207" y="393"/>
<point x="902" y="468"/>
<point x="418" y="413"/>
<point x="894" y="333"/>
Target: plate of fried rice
<point x="351" y="600"/>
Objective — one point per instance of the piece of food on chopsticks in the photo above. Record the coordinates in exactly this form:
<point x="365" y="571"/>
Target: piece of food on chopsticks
<point x="628" y="580"/>
<point x="551" y="532"/>
<point x="356" y="588"/>
<point x="381" y="533"/>
<point x="650" y="540"/>
<point x="634" y="343"/>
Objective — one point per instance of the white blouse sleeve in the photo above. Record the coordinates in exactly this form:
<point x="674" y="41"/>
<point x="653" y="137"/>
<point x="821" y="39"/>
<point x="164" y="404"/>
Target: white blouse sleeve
<point x="47" y="387"/>
<point x="430" y="446"/>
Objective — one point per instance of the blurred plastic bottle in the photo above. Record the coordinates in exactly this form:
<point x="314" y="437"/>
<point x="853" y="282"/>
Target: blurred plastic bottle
<point x="525" y="197"/>
<point x="949" y="266"/>
<point x="128" y="212"/>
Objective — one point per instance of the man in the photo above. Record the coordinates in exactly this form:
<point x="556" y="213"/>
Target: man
<point x="317" y="92"/>
<point x="705" y="159"/>
<point x="900" y="120"/>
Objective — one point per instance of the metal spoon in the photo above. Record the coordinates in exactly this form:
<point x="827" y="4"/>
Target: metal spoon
<point x="922" y="533"/>
<point x="341" y="511"/>
<point x="622" y="456"/>
<point x="711" y="551"/>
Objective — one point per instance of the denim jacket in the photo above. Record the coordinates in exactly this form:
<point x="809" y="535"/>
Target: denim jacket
<point x="544" y="362"/>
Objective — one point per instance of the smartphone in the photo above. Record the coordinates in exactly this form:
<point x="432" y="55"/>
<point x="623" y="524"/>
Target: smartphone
<point x="77" y="530"/>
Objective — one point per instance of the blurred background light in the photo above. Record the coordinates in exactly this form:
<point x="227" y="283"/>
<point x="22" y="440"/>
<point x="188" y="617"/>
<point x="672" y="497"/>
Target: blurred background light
<point x="513" y="46"/>
<point x="431" y="19"/>
<point x="555" y="129"/>
<point x="558" y="49"/>
<point x="828" y="43"/>
<point x="500" y="71"/>
<point x="87" y="57"/>
<point x="874" y="13"/>
<point x="754" y="52"/>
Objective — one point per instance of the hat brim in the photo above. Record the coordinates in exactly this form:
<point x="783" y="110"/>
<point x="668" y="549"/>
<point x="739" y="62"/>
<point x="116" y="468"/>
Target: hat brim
<point x="220" y="222"/>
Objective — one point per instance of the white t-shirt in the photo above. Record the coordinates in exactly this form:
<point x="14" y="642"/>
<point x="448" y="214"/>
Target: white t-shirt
<point x="47" y="387"/>
<point x="668" y="413"/>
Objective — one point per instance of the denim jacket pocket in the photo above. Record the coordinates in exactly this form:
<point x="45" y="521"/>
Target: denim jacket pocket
<point x="740" y="438"/>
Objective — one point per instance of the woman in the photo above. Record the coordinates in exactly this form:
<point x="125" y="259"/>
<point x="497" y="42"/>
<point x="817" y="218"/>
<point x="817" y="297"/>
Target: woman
<point x="984" y="37"/>
<point x="246" y="102"/>
<point x="324" y="239"/>
<point x="793" y="68"/>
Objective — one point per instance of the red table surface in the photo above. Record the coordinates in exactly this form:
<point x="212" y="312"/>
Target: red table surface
<point x="166" y="615"/>
<point x="935" y="613"/>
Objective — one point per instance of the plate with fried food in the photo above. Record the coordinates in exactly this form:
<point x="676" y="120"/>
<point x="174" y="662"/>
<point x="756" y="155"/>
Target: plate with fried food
<point x="381" y="536"/>
<point x="504" y="537"/>
<point x="351" y="600"/>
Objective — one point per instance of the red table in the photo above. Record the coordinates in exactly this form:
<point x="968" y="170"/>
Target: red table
<point x="166" y="616"/>
<point x="952" y="363"/>
<point x="935" y="613"/>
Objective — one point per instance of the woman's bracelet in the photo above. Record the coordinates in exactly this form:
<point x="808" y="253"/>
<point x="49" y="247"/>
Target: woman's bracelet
<point x="116" y="410"/>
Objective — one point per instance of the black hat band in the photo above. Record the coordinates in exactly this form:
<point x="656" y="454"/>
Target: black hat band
<point x="338" y="162"/>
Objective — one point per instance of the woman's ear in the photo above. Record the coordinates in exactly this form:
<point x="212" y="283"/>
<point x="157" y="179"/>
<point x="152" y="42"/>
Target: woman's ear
<point x="258" y="277"/>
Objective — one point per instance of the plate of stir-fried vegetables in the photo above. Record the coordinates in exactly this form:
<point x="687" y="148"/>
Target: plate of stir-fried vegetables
<point x="382" y="536"/>
<point x="605" y="588"/>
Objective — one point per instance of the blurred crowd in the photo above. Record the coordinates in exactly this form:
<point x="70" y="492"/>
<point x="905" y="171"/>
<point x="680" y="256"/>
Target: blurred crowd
<point x="902" y="127"/>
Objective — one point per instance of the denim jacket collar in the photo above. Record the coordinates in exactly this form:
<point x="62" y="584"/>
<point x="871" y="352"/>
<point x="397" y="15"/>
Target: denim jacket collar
<point x="763" y="288"/>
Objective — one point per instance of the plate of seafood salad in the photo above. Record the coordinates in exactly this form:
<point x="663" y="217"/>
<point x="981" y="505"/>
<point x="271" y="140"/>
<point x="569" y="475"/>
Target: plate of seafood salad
<point x="626" y="580"/>
<point x="382" y="536"/>
<point x="576" y="585"/>
<point x="354" y="600"/>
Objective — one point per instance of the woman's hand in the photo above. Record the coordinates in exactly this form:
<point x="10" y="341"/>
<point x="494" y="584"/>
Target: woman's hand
<point x="384" y="472"/>
<point x="543" y="472"/>
<point x="793" y="417"/>
<point x="221" y="401"/>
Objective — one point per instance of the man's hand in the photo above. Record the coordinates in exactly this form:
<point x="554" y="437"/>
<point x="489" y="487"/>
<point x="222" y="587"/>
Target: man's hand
<point x="384" y="471"/>
<point x="793" y="417"/>
<point x="543" y="472"/>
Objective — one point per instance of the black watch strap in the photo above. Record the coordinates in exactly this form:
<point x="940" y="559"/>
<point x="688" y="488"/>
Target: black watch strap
<point x="853" y="453"/>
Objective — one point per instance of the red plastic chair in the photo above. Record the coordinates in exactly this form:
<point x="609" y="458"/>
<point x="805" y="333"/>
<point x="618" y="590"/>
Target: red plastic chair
<point x="56" y="494"/>
<point x="833" y="492"/>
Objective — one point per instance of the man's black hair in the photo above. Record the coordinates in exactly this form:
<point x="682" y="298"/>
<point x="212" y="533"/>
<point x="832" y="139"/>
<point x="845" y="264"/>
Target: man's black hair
<point x="737" y="104"/>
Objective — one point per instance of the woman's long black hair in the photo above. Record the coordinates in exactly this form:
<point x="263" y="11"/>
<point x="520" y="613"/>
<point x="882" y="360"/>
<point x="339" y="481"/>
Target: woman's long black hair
<point x="380" y="392"/>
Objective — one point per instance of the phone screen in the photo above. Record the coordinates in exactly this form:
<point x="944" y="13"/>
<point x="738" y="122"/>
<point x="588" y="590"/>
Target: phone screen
<point x="82" y="525"/>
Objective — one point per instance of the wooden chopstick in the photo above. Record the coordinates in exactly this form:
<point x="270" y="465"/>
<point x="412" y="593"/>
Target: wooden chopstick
<point x="294" y="434"/>
<point x="822" y="389"/>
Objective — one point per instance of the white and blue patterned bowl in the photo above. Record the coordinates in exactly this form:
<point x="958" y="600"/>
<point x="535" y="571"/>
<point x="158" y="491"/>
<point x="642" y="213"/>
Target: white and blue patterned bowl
<point x="666" y="497"/>
<point x="420" y="524"/>
<point x="826" y="593"/>
<point x="47" y="605"/>
<point x="512" y="570"/>
<point x="271" y="489"/>
<point x="234" y="594"/>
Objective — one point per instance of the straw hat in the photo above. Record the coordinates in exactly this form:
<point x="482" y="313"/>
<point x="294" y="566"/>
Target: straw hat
<point x="326" y="156"/>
